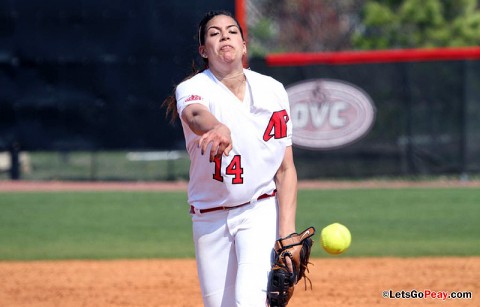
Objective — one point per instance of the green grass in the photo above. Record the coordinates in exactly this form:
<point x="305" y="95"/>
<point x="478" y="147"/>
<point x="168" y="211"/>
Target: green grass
<point x="94" y="225"/>
<point x="111" y="225"/>
<point x="399" y="222"/>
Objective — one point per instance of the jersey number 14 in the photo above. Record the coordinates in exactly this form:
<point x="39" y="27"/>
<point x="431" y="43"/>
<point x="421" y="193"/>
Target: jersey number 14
<point x="234" y="169"/>
<point x="276" y="128"/>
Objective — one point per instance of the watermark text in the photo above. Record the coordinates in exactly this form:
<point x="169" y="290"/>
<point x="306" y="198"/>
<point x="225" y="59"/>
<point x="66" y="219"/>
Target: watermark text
<point x="426" y="294"/>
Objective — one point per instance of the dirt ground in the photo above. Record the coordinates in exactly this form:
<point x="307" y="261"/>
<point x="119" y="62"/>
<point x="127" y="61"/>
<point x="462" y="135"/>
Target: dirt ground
<point x="18" y="186"/>
<point x="337" y="281"/>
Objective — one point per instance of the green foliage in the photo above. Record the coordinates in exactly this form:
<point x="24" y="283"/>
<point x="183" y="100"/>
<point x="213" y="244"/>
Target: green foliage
<point x="418" y="23"/>
<point x="262" y="35"/>
<point x="109" y="225"/>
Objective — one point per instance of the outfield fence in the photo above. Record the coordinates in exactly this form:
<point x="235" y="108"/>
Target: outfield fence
<point x="170" y="165"/>
<point x="79" y="96"/>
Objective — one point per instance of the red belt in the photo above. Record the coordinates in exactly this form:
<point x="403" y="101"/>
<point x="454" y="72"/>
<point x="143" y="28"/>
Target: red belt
<point x="192" y="208"/>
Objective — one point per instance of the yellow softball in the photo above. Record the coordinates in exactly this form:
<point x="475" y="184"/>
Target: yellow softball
<point x="335" y="238"/>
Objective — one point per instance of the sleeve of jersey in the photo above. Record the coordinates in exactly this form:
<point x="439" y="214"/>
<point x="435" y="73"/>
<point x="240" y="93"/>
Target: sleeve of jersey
<point x="286" y="103"/>
<point x="187" y="93"/>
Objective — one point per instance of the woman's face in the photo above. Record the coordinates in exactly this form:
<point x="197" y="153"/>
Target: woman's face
<point x="223" y="41"/>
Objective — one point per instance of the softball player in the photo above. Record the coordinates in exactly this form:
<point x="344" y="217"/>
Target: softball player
<point x="242" y="188"/>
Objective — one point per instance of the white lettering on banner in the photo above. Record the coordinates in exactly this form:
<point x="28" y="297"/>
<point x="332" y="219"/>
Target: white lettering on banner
<point x="328" y="114"/>
<point x="320" y="114"/>
<point x="336" y="120"/>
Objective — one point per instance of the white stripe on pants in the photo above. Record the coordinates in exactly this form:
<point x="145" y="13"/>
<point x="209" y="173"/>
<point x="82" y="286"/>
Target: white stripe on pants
<point x="234" y="252"/>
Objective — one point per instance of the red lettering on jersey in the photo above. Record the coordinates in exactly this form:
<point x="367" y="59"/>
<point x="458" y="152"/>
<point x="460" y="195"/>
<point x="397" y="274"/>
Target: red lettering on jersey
<point x="277" y="126"/>
<point x="234" y="169"/>
<point x="193" y="97"/>
<point x="218" y="164"/>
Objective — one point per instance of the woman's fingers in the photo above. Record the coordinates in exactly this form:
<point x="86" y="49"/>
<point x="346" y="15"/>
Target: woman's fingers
<point x="219" y="139"/>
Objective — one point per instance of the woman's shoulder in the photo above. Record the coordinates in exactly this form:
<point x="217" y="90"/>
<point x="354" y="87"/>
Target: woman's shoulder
<point x="198" y="79"/>
<point x="259" y="77"/>
<point x="259" y="80"/>
<point x="195" y="85"/>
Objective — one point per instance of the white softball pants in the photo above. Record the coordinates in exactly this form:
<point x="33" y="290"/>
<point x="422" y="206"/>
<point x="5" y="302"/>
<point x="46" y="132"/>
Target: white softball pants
<point x="234" y="253"/>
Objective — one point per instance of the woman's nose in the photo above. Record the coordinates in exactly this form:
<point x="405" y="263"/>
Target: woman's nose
<point x="225" y="36"/>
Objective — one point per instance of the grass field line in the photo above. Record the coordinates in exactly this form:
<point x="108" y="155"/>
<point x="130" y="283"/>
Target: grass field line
<point x="17" y="186"/>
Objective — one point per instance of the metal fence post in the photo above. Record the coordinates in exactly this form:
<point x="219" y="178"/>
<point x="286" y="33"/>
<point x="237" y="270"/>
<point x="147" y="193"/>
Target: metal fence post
<point x="14" y="150"/>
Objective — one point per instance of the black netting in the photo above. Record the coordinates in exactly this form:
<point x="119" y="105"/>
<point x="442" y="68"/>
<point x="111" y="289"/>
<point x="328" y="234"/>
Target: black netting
<point x="426" y="120"/>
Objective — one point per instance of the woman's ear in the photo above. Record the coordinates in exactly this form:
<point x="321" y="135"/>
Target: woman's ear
<point x="202" y="51"/>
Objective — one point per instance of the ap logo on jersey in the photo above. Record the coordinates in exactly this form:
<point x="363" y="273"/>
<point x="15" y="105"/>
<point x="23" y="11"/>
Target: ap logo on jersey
<point x="328" y="114"/>
<point x="277" y="126"/>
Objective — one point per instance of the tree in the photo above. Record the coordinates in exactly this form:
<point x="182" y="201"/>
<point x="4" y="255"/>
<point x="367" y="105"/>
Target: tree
<point x="335" y="25"/>
<point x="418" y="24"/>
<point x="301" y="25"/>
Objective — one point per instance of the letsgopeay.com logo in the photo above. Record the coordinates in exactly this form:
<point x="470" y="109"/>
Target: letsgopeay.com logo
<point x="328" y="114"/>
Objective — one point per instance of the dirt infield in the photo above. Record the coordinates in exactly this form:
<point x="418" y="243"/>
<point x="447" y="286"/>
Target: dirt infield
<point x="336" y="282"/>
<point x="18" y="186"/>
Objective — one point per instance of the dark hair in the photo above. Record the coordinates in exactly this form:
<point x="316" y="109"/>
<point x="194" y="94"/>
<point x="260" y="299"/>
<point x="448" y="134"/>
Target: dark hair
<point x="208" y="16"/>
<point x="170" y="103"/>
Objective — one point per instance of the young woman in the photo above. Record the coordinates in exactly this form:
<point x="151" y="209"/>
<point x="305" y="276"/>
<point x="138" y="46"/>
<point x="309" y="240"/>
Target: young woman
<point x="243" y="183"/>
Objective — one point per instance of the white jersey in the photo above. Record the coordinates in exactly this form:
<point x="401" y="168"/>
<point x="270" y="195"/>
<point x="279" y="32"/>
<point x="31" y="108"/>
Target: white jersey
<point x="261" y="129"/>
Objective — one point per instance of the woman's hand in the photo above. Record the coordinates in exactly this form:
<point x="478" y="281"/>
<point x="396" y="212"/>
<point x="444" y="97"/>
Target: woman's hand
<point x="220" y="139"/>
<point x="204" y="124"/>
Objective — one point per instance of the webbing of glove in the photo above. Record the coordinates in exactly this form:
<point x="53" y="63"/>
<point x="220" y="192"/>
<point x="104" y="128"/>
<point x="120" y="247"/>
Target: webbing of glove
<point x="297" y="247"/>
<point x="294" y="239"/>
